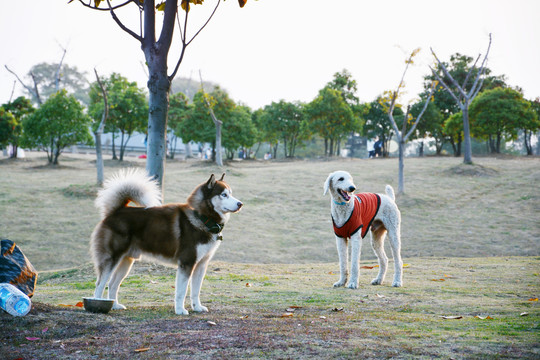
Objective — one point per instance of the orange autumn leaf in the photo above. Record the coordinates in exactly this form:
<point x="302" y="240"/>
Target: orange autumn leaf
<point x="287" y="314"/>
<point x="533" y="299"/>
<point x="438" y="280"/>
<point x="79" y="304"/>
<point x="141" y="350"/>
<point x="366" y="267"/>
<point x="483" y="317"/>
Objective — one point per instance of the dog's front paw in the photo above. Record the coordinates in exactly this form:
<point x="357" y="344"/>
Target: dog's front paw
<point x="118" y="306"/>
<point x="397" y="283"/>
<point x="181" y="311"/>
<point x="200" y="308"/>
<point x="352" y="285"/>
<point x="340" y="283"/>
<point x="376" y="281"/>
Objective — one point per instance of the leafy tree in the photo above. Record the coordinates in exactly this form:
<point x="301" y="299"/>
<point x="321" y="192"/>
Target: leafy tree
<point x="430" y="126"/>
<point x="238" y="131"/>
<point x="287" y="120"/>
<point x="453" y="128"/>
<point x="179" y="109"/>
<point x="156" y="51"/>
<point x="8" y="124"/>
<point x="19" y="108"/>
<point x="60" y="122"/>
<point x="498" y="114"/>
<point x="330" y="117"/>
<point x="70" y="78"/>
<point x="127" y="107"/>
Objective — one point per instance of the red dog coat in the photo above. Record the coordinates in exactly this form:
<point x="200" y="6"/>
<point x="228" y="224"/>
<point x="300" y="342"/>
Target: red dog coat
<point x="366" y="207"/>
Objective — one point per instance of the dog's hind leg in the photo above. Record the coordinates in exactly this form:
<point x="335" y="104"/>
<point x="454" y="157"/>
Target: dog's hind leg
<point x="377" y="243"/>
<point x="119" y="274"/>
<point x="395" y="245"/>
<point x="104" y="270"/>
<point x="341" y="244"/>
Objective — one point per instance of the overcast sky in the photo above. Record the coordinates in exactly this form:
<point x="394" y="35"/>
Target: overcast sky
<point x="285" y="49"/>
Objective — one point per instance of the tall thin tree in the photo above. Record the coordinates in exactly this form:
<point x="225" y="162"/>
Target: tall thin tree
<point x="156" y="52"/>
<point x="99" y="132"/>
<point x="463" y="97"/>
<point x="403" y="136"/>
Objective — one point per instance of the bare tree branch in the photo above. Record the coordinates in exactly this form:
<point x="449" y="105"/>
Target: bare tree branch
<point x="104" y="9"/>
<point x="421" y="113"/>
<point x="447" y="74"/>
<point x="120" y="24"/>
<point x="57" y="74"/>
<point x="184" y="36"/>
<point x="450" y="91"/>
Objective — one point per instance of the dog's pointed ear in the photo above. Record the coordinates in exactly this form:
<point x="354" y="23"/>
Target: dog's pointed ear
<point x="327" y="183"/>
<point x="222" y="177"/>
<point x="211" y="182"/>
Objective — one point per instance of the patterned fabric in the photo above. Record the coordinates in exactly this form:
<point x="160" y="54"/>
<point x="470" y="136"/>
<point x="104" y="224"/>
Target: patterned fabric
<point x="16" y="269"/>
<point x="366" y="207"/>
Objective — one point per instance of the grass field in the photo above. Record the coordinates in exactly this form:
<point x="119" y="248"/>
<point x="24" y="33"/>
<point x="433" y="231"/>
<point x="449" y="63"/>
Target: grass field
<point x="470" y="241"/>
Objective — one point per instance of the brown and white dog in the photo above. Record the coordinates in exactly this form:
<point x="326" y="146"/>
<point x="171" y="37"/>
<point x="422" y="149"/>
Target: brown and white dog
<point x="353" y="216"/>
<point x="182" y="235"/>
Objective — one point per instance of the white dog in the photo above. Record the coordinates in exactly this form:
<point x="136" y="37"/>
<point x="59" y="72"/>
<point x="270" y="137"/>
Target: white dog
<point x="353" y="216"/>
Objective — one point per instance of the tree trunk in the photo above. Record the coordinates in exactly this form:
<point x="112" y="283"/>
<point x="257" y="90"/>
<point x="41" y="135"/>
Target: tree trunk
<point x="122" y="147"/>
<point x="114" y="157"/>
<point x="527" y="138"/>
<point x="219" y="158"/>
<point x="99" y="156"/>
<point x="421" y="149"/>
<point x="158" y="107"/>
<point x="325" y="147"/>
<point x="401" y="188"/>
<point x="467" y="152"/>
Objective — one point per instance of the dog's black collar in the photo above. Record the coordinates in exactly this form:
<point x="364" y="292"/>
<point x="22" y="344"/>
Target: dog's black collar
<point x="210" y="224"/>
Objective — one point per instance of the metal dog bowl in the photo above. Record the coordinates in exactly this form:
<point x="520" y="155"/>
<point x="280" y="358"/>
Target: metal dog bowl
<point x="96" y="305"/>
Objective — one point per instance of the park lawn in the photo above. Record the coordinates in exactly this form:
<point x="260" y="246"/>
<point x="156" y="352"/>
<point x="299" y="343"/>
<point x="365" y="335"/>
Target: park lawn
<point x="281" y="311"/>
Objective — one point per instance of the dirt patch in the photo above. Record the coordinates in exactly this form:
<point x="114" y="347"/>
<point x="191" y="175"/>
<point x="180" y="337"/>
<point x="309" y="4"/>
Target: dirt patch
<point x="473" y="170"/>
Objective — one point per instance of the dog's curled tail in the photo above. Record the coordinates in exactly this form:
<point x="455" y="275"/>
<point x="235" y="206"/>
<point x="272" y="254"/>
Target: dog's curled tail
<point x="127" y="185"/>
<point x="390" y="192"/>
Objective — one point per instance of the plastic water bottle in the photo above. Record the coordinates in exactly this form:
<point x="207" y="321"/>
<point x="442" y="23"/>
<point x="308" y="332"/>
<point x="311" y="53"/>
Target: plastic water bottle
<point x="13" y="300"/>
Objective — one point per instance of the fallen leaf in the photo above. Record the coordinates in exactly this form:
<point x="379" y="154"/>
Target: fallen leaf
<point x="533" y="299"/>
<point x="211" y="323"/>
<point x="524" y="314"/>
<point x="141" y="350"/>
<point x="331" y="273"/>
<point x="153" y="282"/>
<point x="33" y="338"/>
<point x="406" y="265"/>
<point x="79" y="304"/>
<point x="438" y="280"/>
<point x="483" y="317"/>
<point x="380" y="296"/>
<point x="248" y="285"/>
<point x="322" y="317"/>
<point x="295" y="307"/>
<point x="452" y="317"/>
<point x="290" y="310"/>
<point x="287" y="315"/>
<point x="45" y="330"/>
<point x="366" y="267"/>
<point x="244" y="317"/>
<point x="337" y="309"/>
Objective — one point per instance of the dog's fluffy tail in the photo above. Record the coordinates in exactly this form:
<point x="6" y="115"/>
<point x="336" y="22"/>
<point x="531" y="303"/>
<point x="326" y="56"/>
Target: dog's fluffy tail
<point x="129" y="185"/>
<point x="390" y="192"/>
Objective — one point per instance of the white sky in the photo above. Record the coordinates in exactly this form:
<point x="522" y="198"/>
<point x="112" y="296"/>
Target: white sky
<point x="286" y="49"/>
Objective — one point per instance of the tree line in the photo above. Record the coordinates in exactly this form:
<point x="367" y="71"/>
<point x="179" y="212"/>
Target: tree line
<point x="68" y="115"/>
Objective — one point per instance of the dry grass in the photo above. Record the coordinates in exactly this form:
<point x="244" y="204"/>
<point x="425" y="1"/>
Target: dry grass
<point x="449" y="209"/>
<point x="462" y="228"/>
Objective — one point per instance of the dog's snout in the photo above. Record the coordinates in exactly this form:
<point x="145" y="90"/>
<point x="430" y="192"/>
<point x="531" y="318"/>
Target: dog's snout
<point x="351" y="188"/>
<point x="239" y="204"/>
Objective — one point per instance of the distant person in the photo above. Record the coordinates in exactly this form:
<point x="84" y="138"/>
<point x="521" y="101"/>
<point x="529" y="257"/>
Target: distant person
<point x="371" y="148"/>
<point x="378" y="147"/>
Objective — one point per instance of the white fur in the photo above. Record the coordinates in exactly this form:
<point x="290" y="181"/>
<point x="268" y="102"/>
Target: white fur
<point x="340" y="182"/>
<point x="133" y="183"/>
